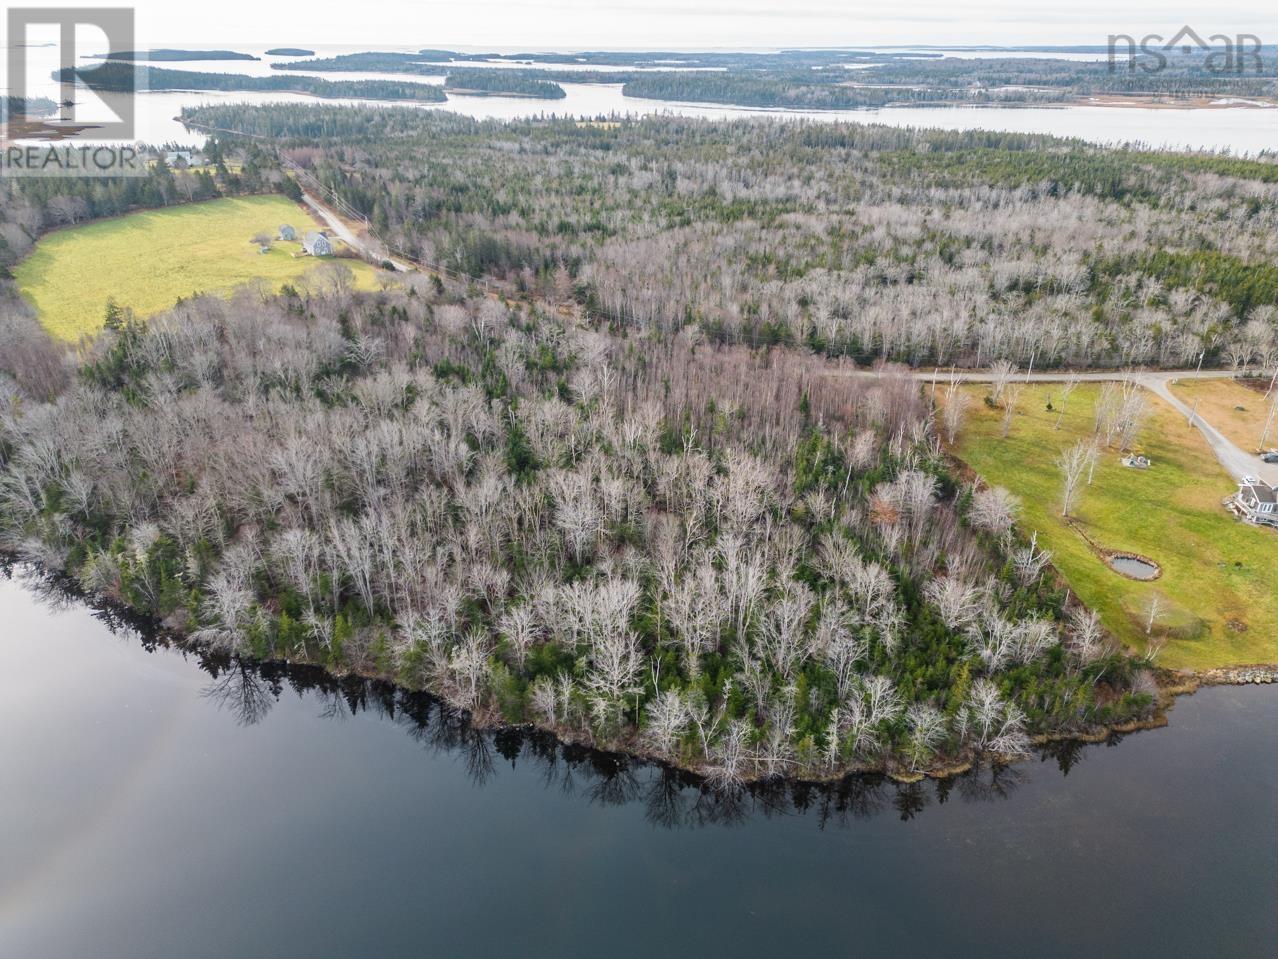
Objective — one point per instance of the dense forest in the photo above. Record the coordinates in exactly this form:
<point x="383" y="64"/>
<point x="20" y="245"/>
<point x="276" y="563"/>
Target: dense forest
<point x="902" y="82"/>
<point x="1179" y="75"/>
<point x="795" y="59"/>
<point x="815" y="79"/>
<point x="121" y="77"/>
<point x="522" y="83"/>
<point x="636" y="541"/>
<point x="502" y="83"/>
<point x="175" y="55"/>
<point x="799" y="91"/>
<point x="436" y="60"/>
<point x="850" y="240"/>
<point x="371" y="61"/>
<point x="951" y="80"/>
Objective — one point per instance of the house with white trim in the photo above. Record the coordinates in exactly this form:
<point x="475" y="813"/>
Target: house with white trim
<point x="1258" y="501"/>
<point x="317" y="244"/>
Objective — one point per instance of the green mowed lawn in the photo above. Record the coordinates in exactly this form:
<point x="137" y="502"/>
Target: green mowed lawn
<point x="147" y="260"/>
<point x="1220" y="577"/>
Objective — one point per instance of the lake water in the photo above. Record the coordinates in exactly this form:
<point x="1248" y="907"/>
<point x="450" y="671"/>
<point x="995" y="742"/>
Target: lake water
<point x="149" y="808"/>
<point x="1236" y="128"/>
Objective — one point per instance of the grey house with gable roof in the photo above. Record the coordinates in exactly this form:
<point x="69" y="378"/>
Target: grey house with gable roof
<point x="317" y="244"/>
<point x="1259" y="502"/>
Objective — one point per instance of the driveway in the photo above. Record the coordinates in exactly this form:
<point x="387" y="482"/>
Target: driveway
<point x="1237" y="462"/>
<point x="348" y="236"/>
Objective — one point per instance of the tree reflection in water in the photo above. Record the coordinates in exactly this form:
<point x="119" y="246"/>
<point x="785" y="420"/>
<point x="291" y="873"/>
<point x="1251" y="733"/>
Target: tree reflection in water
<point x="248" y="690"/>
<point x="672" y="798"/>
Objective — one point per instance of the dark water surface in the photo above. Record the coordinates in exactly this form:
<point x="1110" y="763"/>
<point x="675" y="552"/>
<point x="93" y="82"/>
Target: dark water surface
<point x="1134" y="567"/>
<point x="150" y="809"/>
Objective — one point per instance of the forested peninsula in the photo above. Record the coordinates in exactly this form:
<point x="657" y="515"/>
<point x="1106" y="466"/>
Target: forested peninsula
<point x="687" y="552"/>
<point x="122" y="78"/>
<point x="159" y="55"/>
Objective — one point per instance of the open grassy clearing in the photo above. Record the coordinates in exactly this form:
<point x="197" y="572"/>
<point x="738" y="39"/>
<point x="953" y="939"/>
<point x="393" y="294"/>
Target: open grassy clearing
<point x="1219" y="584"/>
<point x="147" y="260"/>
<point x="1218" y="402"/>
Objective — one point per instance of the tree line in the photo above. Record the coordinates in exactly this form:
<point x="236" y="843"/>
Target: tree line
<point x="522" y="83"/>
<point x="120" y="77"/>
<point x="850" y="240"/>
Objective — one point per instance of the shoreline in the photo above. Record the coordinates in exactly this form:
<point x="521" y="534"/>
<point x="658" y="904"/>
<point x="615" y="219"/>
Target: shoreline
<point x="1171" y="685"/>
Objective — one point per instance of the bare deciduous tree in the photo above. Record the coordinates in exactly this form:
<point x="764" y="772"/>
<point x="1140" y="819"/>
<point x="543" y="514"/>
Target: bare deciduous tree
<point x="1072" y="463"/>
<point x="994" y="510"/>
<point x="1011" y="396"/>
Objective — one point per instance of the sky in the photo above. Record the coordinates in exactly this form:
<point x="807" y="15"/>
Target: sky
<point x="670" y="24"/>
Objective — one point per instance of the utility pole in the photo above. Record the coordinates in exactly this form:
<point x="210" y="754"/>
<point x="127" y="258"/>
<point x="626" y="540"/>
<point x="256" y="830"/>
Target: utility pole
<point x="1200" y="361"/>
<point x="1273" y="408"/>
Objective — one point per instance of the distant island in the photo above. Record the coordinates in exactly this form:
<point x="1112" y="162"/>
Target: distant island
<point x="382" y="62"/>
<point x="474" y="81"/>
<point x="174" y="55"/>
<point x="290" y="52"/>
<point x="502" y="83"/>
<point x="25" y="107"/>
<point x="119" y="77"/>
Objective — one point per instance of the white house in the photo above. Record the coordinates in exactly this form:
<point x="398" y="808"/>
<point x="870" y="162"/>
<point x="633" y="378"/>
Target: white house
<point x="317" y="244"/>
<point x="179" y="158"/>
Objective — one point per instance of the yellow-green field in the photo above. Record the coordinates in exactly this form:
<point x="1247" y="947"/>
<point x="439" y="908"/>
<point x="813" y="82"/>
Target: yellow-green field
<point x="1220" y="577"/>
<point x="147" y="260"/>
<point x="1219" y="402"/>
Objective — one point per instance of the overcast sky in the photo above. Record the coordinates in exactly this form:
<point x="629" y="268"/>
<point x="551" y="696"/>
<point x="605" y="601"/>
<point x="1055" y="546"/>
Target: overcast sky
<point x="671" y="24"/>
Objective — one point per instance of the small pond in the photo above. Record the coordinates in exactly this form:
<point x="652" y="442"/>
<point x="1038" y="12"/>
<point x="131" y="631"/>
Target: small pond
<point x="1135" y="567"/>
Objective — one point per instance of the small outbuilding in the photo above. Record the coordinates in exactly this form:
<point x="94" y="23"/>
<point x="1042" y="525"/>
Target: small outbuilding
<point x="287" y="232"/>
<point x="317" y="244"/>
